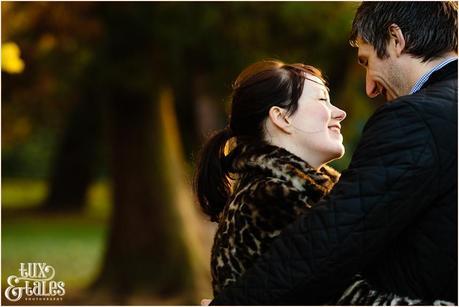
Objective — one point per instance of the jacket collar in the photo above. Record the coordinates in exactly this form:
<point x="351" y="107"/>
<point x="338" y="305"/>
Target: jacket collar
<point x="273" y="161"/>
<point x="446" y="73"/>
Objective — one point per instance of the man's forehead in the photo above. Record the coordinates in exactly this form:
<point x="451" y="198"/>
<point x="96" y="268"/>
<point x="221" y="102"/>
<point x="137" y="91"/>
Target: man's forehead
<point x="359" y="41"/>
<point x="362" y="45"/>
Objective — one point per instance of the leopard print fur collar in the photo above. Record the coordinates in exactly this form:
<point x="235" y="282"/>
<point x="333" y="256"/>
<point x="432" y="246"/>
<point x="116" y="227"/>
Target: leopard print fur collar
<point x="277" y="162"/>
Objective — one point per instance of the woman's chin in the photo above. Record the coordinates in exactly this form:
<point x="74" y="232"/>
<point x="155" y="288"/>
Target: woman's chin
<point x="336" y="154"/>
<point x="342" y="151"/>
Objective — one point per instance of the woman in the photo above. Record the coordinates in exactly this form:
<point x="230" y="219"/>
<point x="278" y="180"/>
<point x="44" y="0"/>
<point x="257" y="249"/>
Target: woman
<point x="269" y="166"/>
<point x="284" y="130"/>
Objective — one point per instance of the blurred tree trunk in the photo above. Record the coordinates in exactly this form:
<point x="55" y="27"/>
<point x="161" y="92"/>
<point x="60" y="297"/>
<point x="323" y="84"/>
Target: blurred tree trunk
<point x="74" y="165"/>
<point x="146" y="248"/>
<point x="186" y="106"/>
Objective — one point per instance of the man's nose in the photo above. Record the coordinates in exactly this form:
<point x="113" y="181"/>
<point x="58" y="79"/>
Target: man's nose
<point x="371" y="86"/>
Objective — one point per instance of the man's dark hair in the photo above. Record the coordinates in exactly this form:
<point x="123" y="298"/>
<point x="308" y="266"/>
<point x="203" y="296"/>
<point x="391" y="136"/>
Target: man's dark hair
<point x="429" y="28"/>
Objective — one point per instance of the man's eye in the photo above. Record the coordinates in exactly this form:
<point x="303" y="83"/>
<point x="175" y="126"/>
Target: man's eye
<point x="363" y="62"/>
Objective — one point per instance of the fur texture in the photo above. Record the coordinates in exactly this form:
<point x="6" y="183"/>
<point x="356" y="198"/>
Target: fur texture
<point x="272" y="187"/>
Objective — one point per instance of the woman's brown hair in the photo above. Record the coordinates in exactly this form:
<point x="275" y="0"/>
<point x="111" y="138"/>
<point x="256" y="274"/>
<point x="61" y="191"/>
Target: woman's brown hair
<point x="259" y="87"/>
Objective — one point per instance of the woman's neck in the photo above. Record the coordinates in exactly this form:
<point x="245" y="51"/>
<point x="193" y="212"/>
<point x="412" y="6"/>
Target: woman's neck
<point x="313" y="159"/>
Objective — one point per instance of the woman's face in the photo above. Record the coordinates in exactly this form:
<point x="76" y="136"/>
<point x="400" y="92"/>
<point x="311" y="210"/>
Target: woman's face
<point x="316" y="124"/>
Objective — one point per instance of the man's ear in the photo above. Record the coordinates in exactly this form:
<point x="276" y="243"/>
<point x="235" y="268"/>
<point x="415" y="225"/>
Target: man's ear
<point x="397" y="39"/>
<point x="278" y="116"/>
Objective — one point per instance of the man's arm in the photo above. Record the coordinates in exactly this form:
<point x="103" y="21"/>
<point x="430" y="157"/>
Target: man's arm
<point x="385" y="187"/>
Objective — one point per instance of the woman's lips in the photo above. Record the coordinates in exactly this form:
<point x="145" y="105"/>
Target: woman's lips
<point x="335" y="128"/>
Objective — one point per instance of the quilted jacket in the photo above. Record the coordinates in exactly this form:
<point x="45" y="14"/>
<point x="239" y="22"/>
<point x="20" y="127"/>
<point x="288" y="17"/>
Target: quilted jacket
<point x="392" y="216"/>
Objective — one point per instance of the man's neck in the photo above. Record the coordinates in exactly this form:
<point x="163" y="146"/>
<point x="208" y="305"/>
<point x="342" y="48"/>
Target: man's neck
<point x="418" y="68"/>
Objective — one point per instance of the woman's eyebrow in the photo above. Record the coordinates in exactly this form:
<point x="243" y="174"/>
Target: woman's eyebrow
<point x="319" y="83"/>
<point x="312" y="80"/>
<point x="325" y="93"/>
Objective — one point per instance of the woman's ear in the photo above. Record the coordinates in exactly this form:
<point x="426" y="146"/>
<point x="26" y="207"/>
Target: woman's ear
<point x="397" y="39"/>
<point x="278" y="116"/>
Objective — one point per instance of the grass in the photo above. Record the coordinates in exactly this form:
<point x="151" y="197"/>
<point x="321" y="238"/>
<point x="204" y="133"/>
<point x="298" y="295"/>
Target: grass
<point x="14" y="196"/>
<point x="72" y="243"/>
<point x="73" y="248"/>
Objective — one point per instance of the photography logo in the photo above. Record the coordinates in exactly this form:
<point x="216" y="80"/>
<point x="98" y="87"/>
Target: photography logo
<point x="34" y="282"/>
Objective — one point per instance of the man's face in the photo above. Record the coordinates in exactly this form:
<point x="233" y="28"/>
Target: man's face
<point x="383" y="76"/>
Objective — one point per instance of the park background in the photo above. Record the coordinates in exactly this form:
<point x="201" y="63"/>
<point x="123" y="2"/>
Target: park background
<point x="105" y="106"/>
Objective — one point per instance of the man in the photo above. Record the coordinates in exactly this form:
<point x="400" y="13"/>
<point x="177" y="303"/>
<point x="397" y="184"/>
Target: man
<point x="393" y="215"/>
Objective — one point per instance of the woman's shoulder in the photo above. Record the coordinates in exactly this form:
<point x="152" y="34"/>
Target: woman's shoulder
<point x="272" y="187"/>
<point x="270" y="195"/>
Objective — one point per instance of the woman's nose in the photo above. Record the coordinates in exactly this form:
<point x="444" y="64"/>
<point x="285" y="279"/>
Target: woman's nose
<point x="339" y="114"/>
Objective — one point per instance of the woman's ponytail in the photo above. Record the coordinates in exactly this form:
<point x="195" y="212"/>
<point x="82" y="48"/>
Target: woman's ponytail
<point x="211" y="183"/>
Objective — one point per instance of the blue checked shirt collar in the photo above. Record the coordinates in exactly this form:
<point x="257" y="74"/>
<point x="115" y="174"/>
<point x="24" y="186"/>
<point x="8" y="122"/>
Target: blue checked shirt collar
<point x="417" y="86"/>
